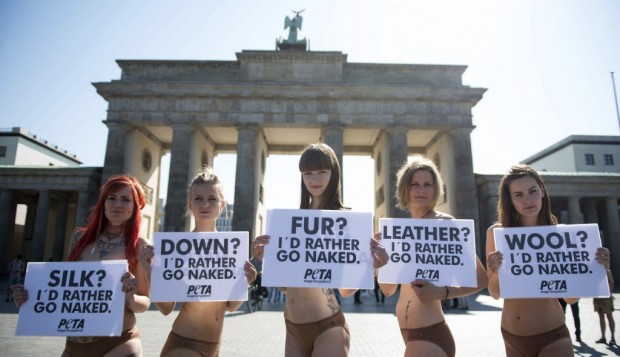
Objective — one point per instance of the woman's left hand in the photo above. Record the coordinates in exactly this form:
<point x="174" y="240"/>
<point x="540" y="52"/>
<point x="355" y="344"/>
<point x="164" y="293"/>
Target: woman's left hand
<point x="130" y="285"/>
<point x="602" y="256"/>
<point x="250" y="272"/>
<point x="427" y="291"/>
<point x="379" y="255"/>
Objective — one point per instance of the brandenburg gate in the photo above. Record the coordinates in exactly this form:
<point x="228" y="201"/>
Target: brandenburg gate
<point x="273" y="102"/>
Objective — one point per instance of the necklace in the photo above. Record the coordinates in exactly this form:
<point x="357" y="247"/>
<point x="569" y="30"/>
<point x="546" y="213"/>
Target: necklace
<point x="105" y="247"/>
<point x="427" y="213"/>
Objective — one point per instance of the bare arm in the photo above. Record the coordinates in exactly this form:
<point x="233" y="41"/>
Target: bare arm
<point x="494" y="261"/>
<point x="233" y="305"/>
<point x="481" y="283"/>
<point x="250" y="275"/>
<point x="388" y="289"/>
<point x="165" y="307"/>
<point x="145" y="258"/>
<point x="345" y="293"/>
<point x="136" y="298"/>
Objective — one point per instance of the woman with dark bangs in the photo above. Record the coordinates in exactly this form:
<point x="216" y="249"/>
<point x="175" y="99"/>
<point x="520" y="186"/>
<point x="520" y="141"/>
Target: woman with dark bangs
<point x="530" y="327"/>
<point x="112" y="233"/>
<point x="315" y="325"/>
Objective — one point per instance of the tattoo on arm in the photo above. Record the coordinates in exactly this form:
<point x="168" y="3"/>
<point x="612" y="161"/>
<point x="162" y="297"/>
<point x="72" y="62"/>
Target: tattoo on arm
<point x="332" y="303"/>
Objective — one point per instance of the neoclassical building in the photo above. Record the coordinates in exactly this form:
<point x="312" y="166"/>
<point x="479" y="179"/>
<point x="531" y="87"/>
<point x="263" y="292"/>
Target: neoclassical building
<point x="277" y="102"/>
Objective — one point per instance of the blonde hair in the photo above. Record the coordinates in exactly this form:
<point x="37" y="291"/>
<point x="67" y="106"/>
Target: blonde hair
<point x="403" y="181"/>
<point x="207" y="177"/>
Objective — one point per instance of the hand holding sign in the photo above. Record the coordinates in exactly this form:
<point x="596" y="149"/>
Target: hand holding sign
<point x="72" y="299"/>
<point x="319" y="248"/>
<point x="379" y="254"/>
<point x="550" y="261"/>
<point x="200" y="266"/>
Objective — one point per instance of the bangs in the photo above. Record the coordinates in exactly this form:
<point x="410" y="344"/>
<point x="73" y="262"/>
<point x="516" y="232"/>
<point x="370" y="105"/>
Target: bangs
<point x="314" y="159"/>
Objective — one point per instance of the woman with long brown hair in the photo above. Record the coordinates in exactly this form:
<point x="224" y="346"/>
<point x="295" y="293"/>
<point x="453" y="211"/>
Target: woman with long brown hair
<point x="530" y="327"/>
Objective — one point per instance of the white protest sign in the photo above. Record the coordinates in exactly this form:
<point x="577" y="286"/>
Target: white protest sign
<point x="73" y="299"/>
<point x="550" y="261"/>
<point x="318" y="248"/>
<point x="442" y="251"/>
<point x="199" y="266"/>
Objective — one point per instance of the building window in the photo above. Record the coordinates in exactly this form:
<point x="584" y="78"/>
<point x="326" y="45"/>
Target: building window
<point x="2" y="151"/>
<point x="589" y="159"/>
<point x="609" y="159"/>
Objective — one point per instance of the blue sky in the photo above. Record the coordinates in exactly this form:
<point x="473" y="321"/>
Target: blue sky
<point x="546" y="64"/>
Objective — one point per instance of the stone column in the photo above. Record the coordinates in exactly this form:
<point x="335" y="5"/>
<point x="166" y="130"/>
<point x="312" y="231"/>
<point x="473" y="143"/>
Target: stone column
<point x="7" y="225"/>
<point x="574" y="211"/>
<point x="28" y="233"/>
<point x="61" y="228"/>
<point x="332" y="136"/>
<point x="83" y="208"/>
<point x="397" y="151"/>
<point x="40" y="226"/>
<point x="465" y="181"/>
<point x="465" y="189"/>
<point x="246" y="180"/>
<point x="114" y="162"/>
<point x="591" y="215"/>
<point x="176" y="201"/>
<point x="612" y="235"/>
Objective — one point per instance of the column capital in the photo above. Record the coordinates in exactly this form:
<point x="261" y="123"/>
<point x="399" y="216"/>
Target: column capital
<point x="396" y="129"/>
<point x="254" y="127"/>
<point x="116" y="125"/>
<point x="182" y="126"/>
<point x="461" y="130"/>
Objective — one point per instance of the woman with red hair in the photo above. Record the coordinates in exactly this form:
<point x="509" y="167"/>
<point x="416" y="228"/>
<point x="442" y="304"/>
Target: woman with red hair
<point x="112" y="232"/>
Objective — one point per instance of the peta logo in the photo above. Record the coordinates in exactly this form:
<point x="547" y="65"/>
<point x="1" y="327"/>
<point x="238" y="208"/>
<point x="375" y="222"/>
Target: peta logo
<point x="552" y="286"/>
<point x="318" y="275"/>
<point x="71" y="325"/>
<point x="427" y="274"/>
<point x="199" y="290"/>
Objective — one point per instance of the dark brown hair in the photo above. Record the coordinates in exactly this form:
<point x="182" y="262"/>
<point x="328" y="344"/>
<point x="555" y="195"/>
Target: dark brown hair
<point x="321" y="157"/>
<point x="506" y="212"/>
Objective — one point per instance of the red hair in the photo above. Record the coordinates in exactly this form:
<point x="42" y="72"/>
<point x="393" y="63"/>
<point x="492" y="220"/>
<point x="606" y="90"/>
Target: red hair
<point x="97" y="221"/>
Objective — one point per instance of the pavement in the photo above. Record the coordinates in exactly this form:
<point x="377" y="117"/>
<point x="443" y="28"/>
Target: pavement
<point x="374" y="330"/>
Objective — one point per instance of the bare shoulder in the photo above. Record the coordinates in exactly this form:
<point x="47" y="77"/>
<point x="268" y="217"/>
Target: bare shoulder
<point x="442" y="215"/>
<point x="496" y="225"/>
<point x="75" y="238"/>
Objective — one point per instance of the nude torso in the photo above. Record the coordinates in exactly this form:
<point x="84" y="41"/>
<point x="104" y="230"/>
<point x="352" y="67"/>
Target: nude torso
<point x="129" y="318"/>
<point x="523" y="316"/>
<point x="413" y="313"/>
<point x="202" y="321"/>
<point x="309" y="304"/>
<point x="410" y="311"/>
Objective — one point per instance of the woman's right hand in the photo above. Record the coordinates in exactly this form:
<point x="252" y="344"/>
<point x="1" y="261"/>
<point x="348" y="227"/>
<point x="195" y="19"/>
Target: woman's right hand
<point x="494" y="261"/>
<point x="260" y="241"/>
<point x="145" y="257"/>
<point x="20" y="294"/>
